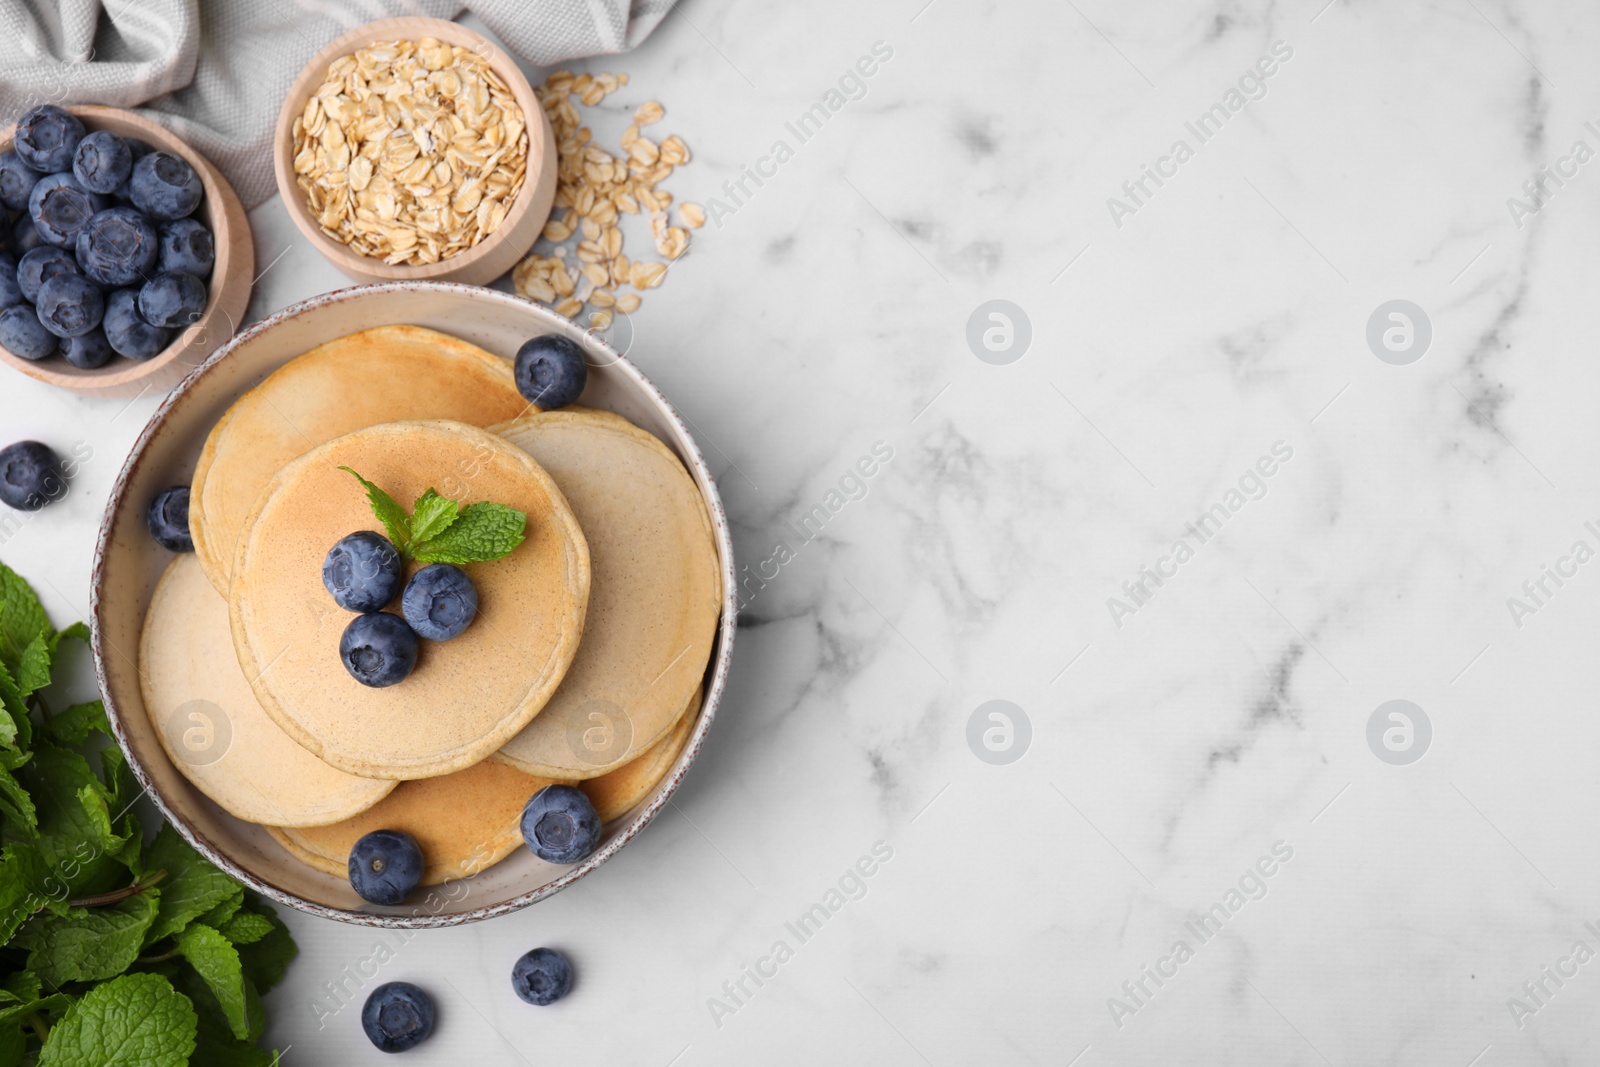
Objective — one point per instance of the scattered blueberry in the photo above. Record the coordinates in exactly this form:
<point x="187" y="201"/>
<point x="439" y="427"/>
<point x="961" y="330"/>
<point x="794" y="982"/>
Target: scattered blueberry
<point x="378" y="649"/>
<point x="560" y="824"/>
<point x="40" y="265"/>
<point x="16" y="180"/>
<point x="47" y="137"/>
<point x="25" y="236"/>
<point x="164" y="186"/>
<point x="362" y="571"/>
<point x="397" y="1016"/>
<point x="439" y="601"/>
<point x="102" y="162"/>
<point x="22" y="334"/>
<point x="172" y="298"/>
<point x="128" y="333"/>
<point x="542" y="976"/>
<point x="88" y="351"/>
<point x="61" y="208"/>
<point x="30" y="476"/>
<point x="186" y="246"/>
<point x="10" y="289"/>
<point x="70" y="305"/>
<point x="168" y="519"/>
<point x="119" y="247"/>
<point x="551" y="371"/>
<point x="385" y="865"/>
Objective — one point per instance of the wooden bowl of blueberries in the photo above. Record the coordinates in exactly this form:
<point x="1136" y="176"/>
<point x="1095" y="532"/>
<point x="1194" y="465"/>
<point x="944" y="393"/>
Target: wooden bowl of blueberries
<point x="124" y="254"/>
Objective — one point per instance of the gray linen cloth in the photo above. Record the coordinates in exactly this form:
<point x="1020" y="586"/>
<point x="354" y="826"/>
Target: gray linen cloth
<point x="215" y="71"/>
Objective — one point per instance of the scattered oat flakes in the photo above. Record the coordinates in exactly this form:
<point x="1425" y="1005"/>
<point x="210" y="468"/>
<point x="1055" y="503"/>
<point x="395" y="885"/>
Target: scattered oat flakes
<point x="594" y="189"/>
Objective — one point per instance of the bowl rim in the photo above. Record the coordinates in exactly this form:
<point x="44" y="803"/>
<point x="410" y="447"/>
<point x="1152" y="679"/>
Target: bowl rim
<point x="727" y="623"/>
<point x="230" y="228"/>
<point x="404" y="27"/>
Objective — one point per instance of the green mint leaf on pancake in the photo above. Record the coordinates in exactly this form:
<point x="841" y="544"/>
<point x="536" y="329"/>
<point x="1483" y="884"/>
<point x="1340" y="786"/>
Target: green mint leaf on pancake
<point x="137" y="1020"/>
<point x="389" y="512"/>
<point x="431" y="516"/>
<point x="482" y="532"/>
<point x="22" y="618"/>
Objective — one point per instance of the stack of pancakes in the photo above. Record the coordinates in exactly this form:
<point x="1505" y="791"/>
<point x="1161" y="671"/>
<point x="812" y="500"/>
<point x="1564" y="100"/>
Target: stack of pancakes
<point x="583" y="665"/>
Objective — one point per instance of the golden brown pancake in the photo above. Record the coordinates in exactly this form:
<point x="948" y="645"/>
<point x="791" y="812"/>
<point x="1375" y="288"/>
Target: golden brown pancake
<point x="653" y="605"/>
<point x="467" y="696"/>
<point x="614" y="794"/>
<point x="463" y="822"/>
<point x="379" y="375"/>
<point x="213" y="728"/>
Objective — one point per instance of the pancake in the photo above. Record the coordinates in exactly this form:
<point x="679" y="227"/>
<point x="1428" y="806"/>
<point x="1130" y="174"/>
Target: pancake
<point x="213" y="728"/>
<point x="467" y="696"/>
<point x="464" y="822"/>
<point x="653" y="605"/>
<point x="379" y="375"/>
<point x="614" y="794"/>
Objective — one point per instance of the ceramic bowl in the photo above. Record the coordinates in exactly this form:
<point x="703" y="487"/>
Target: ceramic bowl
<point x="491" y="257"/>
<point x="229" y="284"/>
<point x="128" y="562"/>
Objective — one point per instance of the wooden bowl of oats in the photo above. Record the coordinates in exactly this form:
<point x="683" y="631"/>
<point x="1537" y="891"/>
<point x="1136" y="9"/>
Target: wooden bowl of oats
<point x="414" y="149"/>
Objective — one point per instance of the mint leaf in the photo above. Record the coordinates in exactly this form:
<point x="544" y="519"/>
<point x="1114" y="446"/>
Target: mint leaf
<point x="72" y="726"/>
<point x="215" y="1046"/>
<point x="431" y="515"/>
<point x="16" y="805"/>
<point x="137" y="1020"/>
<point x="266" y="960"/>
<point x="483" y="531"/>
<point x="22" y="617"/>
<point x="33" y="672"/>
<point x="22" y="881"/>
<point x="14" y="721"/>
<point x="246" y="928"/>
<point x="23" y="1008"/>
<point x="390" y="513"/>
<point x="88" y="944"/>
<point x="74" y="832"/>
<point x="219" y="915"/>
<point x="216" y="960"/>
<point x="192" y="886"/>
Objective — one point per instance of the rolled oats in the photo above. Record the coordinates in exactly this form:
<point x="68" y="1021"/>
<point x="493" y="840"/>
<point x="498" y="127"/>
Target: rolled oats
<point x="411" y="151"/>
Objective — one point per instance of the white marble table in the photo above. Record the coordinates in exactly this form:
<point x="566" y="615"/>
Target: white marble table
<point x="1192" y="736"/>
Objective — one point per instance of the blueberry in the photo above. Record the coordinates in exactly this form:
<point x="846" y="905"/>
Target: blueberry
<point x="439" y="601"/>
<point x="378" y="649"/>
<point x="168" y="519"/>
<point x="165" y="186"/>
<point x="397" y="1016"/>
<point x="362" y="571"/>
<point x="542" y="976"/>
<point x="61" y="208"/>
<point x="10" y="287"/>
<point x="102" y="162"/>
<point x="30" y="476"/>
<point x="88" y="351"/>
<point x="186" y="246"/>
<point x="172" y="298"/>
<point x="560" y="825"/>
<point x="70" y="305"/>
<point x="16" y="180"/>
<point x="119" y="247"/>
<point x="47" y="137"/>
<point x="22" y="334"/>
<point x="40" y="265"/>
<point x="551" y="371"/>
<point x="25" y="236"/>
<point x="385" y="865"/>
<point x="128" y="333"/>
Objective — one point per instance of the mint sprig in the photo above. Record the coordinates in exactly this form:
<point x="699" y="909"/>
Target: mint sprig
<point x="114" y="951"/>
<point x="438" y="530"/>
